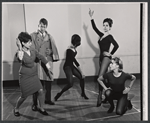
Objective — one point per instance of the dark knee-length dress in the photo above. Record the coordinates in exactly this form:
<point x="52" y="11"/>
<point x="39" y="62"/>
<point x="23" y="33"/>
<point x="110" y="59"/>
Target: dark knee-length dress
<point x="28" y="76"/>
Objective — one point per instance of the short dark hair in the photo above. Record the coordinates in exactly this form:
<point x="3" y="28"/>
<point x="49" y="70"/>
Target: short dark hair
<point x="24" y="37"/>
<point x="44" y="21"/>
<point x="76" y="40"/>
<point x="109" y="21"/>
<point x="119" y="62"/>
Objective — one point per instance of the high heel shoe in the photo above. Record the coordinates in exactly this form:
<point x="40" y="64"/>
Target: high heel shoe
<point x="17" y="114"/>
<point x="99" y="101"/>
<point x="85" y="97"/>
<point x="57" y="96"/>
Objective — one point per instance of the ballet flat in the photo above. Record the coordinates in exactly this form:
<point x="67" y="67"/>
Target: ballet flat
<point x="84" y="96"/>
<point x="34" y="108"/>
<point x="99" y="102"/>
<point x="111" y="109"/>
<point x="57" y="96"/>
<point x="43" y="112"/>
<point x="49" y="102"/>
<point x="17" y="114"/>
<point x="130" y="106"/>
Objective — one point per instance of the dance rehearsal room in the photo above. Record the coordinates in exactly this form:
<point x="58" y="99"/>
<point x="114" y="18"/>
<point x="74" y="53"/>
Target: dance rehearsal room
<point x="74" y="61"/>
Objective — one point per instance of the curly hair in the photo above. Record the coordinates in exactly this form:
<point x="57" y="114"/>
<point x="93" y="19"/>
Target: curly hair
<point x="109" y="21"/>
<point x="119" y="62"/>
<point x="24" y="37"/>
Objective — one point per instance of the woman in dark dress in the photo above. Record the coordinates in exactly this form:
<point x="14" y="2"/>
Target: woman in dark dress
<point x="117" y="90"/>
<point x="71" y="70"/>
<point x="28" y="78"/>
<point x="105" y="41"/>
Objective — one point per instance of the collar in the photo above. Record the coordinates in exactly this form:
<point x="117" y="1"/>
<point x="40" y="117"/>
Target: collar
<point x="39" y="32"/>
<point x="72" y="48"/>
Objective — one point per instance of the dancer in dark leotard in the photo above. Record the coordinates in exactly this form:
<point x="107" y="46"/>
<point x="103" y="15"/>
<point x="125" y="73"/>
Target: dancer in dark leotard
<point x="71" y="70"/>
<point x="117" y="90"/>
<point x="106" y="39"/>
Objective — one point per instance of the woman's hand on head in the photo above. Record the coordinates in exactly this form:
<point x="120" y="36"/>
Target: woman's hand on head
<point x="91" y="13"/>
<point x="18" y="44"/>
<point x="20" y="54"/>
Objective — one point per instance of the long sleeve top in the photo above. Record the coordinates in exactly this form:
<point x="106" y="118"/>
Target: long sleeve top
<point x="70" y="58"/>
<point x="105" y="43"/>
<point x="28" y="66"/>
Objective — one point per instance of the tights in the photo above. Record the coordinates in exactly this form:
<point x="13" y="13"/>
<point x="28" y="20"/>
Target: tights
<point x="103" y="69"/>
<point x="121" y="100"/>
<point x="70" y="71"/>
<point x="40" y="97"/>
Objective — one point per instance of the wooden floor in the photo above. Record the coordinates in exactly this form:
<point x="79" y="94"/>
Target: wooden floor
<point x="70" y="106"/>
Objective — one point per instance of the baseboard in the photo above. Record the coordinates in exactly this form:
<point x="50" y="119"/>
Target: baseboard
<point x="11" y="83"/>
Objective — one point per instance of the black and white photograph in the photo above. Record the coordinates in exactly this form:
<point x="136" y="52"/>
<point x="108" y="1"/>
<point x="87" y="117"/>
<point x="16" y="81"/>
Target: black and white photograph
<point x="74" y="61"/>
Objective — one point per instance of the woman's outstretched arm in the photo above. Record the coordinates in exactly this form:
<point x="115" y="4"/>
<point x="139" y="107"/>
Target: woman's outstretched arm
<point x="94" y="25"/>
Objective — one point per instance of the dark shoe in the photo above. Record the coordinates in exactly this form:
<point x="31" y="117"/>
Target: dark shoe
<point x="34" y="108"/>
<point x="49" y="102"/>
<point x="98" y="104"/>
<point x="57" y="96"/>
<point x="84" y="96"/>
<point x="104" y="101"/>
<point x="111" y="109"/>
<point x="99" y="101"/>
<point x="17" y="114"/>
<point x="43" y="112"/>
<point x="129" y="105"/>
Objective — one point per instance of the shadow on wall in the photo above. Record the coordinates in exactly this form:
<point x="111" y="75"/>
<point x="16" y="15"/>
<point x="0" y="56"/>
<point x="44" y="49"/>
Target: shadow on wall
<point x="15" y="68"/>
<point x="95" y="49"/>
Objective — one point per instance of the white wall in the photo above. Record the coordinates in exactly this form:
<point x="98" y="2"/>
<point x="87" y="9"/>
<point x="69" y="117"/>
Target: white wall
<point x="12" y="24"/>
<point x="67" y="19"/>
<point x="125" y="30"/>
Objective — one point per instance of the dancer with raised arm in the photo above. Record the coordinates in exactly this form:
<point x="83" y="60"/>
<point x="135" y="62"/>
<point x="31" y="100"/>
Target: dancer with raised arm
<point x="105" y="41"/>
